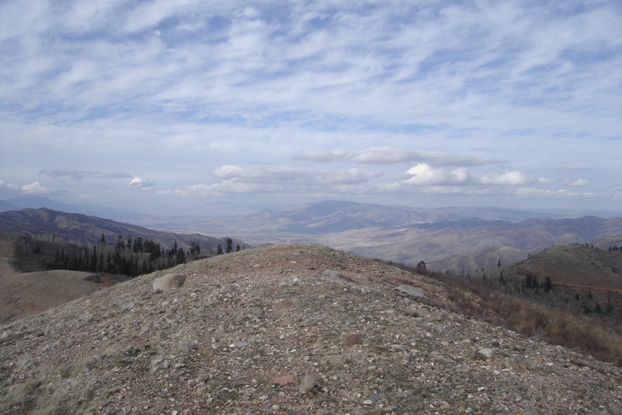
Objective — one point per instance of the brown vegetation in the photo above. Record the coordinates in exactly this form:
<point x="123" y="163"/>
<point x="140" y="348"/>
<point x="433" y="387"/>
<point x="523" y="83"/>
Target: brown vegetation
<point x="556" y="326"/>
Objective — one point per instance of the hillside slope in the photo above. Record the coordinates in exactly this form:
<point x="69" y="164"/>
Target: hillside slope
<point x="83" y="228"/>
<point x="469" y="244"/>
<point x="265" y="331"/>
<point x="578" y="265"/>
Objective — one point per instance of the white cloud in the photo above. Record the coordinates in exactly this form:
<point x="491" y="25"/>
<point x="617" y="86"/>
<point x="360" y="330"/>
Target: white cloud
<point x="579" y="183"/>
<point x="387" y="155"/>
<point x="265" y="178"/>
<point x="512" y="178"/>
<point x="424" y="175"/>
<point x="34" y="188"/>
<point x="138" y="183"/>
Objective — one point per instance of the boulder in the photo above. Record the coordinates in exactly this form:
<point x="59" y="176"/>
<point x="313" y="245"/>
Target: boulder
<point x="410" y="290"/>
<point x="169" y="282"/>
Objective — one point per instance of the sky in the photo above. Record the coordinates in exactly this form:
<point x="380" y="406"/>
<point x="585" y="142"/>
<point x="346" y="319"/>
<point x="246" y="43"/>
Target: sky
<point x="154" y="106"/>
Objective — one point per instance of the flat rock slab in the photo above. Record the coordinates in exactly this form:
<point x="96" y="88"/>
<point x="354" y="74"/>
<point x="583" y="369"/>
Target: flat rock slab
<point x="411" y="291"/>
<point x="169" y="282"/>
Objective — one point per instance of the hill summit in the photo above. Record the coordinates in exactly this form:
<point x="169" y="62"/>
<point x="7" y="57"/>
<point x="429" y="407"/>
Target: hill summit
<point x="292" y="329"/>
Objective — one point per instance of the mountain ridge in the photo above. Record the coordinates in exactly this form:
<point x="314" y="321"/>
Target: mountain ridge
<point x="296" y="329"/>
<point x="86" y="228"/>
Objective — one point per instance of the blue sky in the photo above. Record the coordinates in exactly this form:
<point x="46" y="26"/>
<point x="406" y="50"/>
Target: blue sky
<point x="156" y="105"/>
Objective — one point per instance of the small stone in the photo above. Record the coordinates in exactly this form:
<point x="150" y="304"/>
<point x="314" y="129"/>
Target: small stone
<point x="376" y="397"/>
<point x="486" y="353"/>
<point x="126" y="306"/>
<point x="168" y="282"/>
<point x="307" y="383"/>
<point x="201" y="390"/>
<point x="337" y="360"/>
<point x="163" y="393"/>
<point x="495" y="344"/>
<point x="283" y="380"/>
<point x="351" y="339"/>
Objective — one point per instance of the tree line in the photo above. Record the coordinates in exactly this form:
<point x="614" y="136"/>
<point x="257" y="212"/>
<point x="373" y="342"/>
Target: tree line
<point x="130" y="257"/>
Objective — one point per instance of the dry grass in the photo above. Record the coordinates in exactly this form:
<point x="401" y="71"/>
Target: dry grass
<point x="587" y="335"/>
<point x="552" y="325"/>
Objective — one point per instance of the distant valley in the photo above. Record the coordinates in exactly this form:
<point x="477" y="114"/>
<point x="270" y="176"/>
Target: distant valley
<point x="449" y="238"/>
<point x="445" y="238"/>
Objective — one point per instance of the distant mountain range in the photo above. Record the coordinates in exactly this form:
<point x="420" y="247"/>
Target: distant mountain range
<point x="74" y="227"/>
<point x="445" y="238"/>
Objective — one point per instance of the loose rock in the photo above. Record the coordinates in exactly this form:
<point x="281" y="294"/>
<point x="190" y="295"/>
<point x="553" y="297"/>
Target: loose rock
<point x="351" y="339"/>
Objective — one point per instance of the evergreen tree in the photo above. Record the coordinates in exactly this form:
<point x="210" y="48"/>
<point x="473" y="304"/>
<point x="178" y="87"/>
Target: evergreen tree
<point x="229" y="245"/>
<point x="180" y="256"/>
<point x="219" y="249"/>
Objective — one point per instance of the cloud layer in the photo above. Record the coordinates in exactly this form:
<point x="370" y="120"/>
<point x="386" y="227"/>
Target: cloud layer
<point x="312" y="99"/>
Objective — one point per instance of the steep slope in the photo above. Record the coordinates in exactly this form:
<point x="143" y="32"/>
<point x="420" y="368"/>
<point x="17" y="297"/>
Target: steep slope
<point x="266" y="331"/>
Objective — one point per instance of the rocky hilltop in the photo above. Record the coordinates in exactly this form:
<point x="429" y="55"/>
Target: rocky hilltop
<point x="294" y="329"/>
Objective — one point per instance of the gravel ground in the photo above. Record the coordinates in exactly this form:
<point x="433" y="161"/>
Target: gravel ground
<point x="289" y="329"/>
